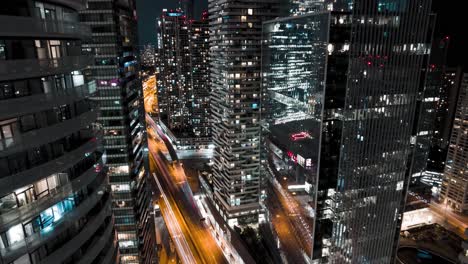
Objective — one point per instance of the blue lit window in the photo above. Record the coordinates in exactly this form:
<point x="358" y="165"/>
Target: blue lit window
<point x="47" y="217"/>
<point x="391" y="5"/>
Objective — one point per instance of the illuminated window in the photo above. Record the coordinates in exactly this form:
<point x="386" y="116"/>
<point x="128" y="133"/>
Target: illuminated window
<point x="250" y="11"/>
<point x="399" y="185"/>
<point x="120" y="187"/>
<point x="15" y="234"/>
<point x="330" y="48"/>
<point x="127" y="244"/>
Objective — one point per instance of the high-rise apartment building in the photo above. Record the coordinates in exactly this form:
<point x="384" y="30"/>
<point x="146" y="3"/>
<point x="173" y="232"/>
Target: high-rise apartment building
<point x="199" y="34"/>
<point x="175" y="90"/>
<point x="235" y="50"/>
<point x="119" y="95"/>
<point x="342" y="87"/>
<point x="147" y="56"/>
<point x="454" y="191"/>
<point x="55" y="204"/>
<point x="183" y="91"/>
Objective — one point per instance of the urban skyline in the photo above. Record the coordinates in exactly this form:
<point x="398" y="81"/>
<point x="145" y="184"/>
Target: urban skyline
<point x="233" y="131"/>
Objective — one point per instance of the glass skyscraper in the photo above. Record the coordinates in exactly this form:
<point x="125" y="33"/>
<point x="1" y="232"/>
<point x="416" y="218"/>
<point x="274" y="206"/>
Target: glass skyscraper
<point x="368" y="57"/>
<point x="294" y="56"/>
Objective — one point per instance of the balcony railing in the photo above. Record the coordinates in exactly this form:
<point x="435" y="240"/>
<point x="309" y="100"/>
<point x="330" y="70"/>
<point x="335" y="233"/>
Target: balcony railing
<point x="34" y="173"/>
<point x="97" y="245"/>
<point x="23" y="69"/>
<point x="35" y="27"/>
<point x="36" y="138"/>
<point x="77" y="241"/>
<point x="23" y="213"/>
<point x="39" y="102"/>
<point x="75" y="4"/>
<point x="37" y="239"/>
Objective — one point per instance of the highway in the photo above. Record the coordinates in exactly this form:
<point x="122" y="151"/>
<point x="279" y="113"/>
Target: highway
<point x="180" y="212"/>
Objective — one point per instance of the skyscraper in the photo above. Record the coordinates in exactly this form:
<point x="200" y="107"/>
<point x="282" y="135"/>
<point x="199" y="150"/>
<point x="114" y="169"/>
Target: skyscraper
<point x="235" y="50"/>
<point x="449" y="85"/>
<point x="187" y="7"/>
<point x="55" y="204"/>
<point x="119" y="95"/>
<point x="368" y="58"/>
<point x="454" y="191"/>
<point x="175" y="91"/>
<point x="199" y="34"/>
<point x="147" y="55"/>
<point x="429" y="94"/>
<point x="184" y="79"/>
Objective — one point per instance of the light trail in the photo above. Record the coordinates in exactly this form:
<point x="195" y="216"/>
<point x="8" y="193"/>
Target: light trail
<point x="187" y="217"/>
<point x="182" y="246"/>
<point x="294" y="210"/>
<point x="228" y="250"/>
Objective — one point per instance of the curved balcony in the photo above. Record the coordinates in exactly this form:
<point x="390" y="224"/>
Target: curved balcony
<point x="462" y="258"/>
<point x="27" y="177"/>
<point x="27" y="212"/>
<point x="90" y="229"/>
<point x="97" y="245"/>
<point x="41" y="28"/>
<point x="38" y="137"/>
<point x="31" y="243"/>
<point x="74" y="4"/>
<point x="40" y="102"/>
<point x="111" y="255"/>
<point x="23" y="69"/>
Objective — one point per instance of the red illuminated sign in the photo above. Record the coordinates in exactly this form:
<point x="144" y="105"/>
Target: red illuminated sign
<point x="300" y="136"/>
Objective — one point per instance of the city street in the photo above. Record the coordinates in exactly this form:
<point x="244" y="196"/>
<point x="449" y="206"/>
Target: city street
<point x="181" y="210"/>
<point x="289" y="242"/>
<point x="456" y="221"/>
<point x="297" y="216"/>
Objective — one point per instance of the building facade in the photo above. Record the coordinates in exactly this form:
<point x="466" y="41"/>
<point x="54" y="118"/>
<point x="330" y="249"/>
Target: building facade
<point x="450" y="85"/>
<point x="119" y="96"/>
<point x="199" y="33"/>
<point x="294" y="57"/>
<point x="183" y="89"/>
<point x="235" y="50"/>
<point x="188" y="7"/>
<point x="454" y="191"/>
<point x="175" y="90"/>
<point x="352" y="146"/>
<point x="55" y="203"/>
<point x="147" y="56"/>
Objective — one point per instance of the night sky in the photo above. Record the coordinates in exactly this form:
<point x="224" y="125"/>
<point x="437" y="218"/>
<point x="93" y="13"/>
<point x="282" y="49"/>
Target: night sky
<point x="450" y="22"/>
<point x="149" y="10"/>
